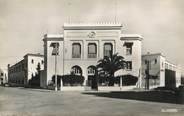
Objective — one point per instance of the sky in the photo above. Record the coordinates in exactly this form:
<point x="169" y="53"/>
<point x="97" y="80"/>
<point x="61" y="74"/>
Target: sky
<point x="24" y="22"/>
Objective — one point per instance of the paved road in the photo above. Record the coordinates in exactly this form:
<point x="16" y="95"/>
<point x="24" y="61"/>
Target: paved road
<point x="31" y="102"/>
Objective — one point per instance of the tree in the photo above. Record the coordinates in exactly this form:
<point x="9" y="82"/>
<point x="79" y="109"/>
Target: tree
<point x="109" y="65"/>
<point x="35" y="80"/>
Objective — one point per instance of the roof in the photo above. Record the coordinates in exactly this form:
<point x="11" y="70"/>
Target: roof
<point x="38" y="55"/>
<point x="153" y="54"/>
<point x="159" y="54"/>
<point x="18" y="63"/>
<point x="131" y="37"/>
<point x="57" y="37"/>
<point x="53" y="35"/>
<point x="91" y="26"/>
<point x="170" y="63"/>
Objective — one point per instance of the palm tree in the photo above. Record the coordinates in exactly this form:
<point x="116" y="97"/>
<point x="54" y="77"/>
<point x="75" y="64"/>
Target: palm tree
<point x="109" y="65"/>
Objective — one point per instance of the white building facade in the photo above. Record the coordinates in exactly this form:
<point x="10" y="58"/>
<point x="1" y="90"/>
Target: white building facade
<point x="3" y="76"/>
<point x="162" y="72"/>
<point x="82" y="45"/>
<point x="21" y="72"/>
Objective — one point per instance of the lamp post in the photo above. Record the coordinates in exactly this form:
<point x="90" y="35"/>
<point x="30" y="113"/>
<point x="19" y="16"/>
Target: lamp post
<point x="56" y="72"/>
<point x="147" y="74"/>
<point x="121" y="78"/>
<point x="55" y="52"/>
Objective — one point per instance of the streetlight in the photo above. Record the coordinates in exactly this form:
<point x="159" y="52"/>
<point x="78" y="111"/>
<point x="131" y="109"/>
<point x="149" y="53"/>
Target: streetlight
<point x="55" y="52"/>
<point x="147" y="74"/>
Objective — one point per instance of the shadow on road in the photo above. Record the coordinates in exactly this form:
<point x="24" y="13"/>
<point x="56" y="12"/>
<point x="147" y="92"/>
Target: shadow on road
<point x="35" y="89"/>
<point x="153" y="96"/>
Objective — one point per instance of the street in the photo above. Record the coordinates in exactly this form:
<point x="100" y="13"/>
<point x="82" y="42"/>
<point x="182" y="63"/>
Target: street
<point x="38" y="102"/>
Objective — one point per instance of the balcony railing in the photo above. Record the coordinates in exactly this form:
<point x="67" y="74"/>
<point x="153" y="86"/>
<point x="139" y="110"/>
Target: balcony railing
<point x="76" y="56"/>
<point x="92" y="55"/>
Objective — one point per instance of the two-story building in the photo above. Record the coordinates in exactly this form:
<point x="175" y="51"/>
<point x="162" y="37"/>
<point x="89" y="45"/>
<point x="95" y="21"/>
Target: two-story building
<point x="82" y="45"/>
<point x="3" y="76"/>
<point x="21" y="72"/>
<point x="162" y="72"/>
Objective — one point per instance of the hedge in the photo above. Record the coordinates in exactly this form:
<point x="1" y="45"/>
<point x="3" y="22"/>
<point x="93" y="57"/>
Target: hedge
<point x="69" y="80"/>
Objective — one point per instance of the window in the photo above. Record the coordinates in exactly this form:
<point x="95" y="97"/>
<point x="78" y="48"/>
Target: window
<point x="108" y="49"/>
<point x="155" y="61"/>
<point x="129" y="65"/>
<point x="2" y="74"/>
<point x="166" y="65"/>
<point x="76" y="50"/>
<point x="92" y="50"/>
<point x="55" y="47"/>
<point x="76" y="70"/>
<point x="38" y="67"/>
<point x="21" y="67"/>
<point x="32" y="61"/>
<point x="91" y="70"/>
<point x="145" y="62"/>
<point x="148" y="63"/>
<point x="42" y="61"/>
<point x="162" y="65"/>
<point x="128" y="47"/>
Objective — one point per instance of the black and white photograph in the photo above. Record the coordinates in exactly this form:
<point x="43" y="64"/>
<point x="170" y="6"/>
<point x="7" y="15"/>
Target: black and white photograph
<point x="91" y="58"/>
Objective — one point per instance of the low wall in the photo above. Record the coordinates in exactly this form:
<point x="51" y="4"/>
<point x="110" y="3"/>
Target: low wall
<point x="100" y="88"/>
<point x="153" y="87"/>
<point x="117" y="88"/>
<point x="15" y="85"/>
<point x="72" y="88"/>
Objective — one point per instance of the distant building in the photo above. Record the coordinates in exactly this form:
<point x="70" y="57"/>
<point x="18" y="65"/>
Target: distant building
<point x="82" y="45"/>
<point x="162" y="72"/>
<point x="3" y="76"/>
<point x="21" y="72"/>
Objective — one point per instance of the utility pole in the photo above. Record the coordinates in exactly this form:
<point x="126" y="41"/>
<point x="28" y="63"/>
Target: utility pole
<point x="55" y="53"/>
<point x="121" y="78"/>
<point x="147" y="74"/>
<point x="56" y="72"/>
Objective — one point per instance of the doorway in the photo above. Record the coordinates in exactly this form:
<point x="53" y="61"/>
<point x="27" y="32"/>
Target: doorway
<point x="92" y="78"/>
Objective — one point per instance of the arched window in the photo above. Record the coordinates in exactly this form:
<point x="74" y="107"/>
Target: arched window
<point x="92" y="50"/>
<point x="76" y="70"/>
<point x="91" y="70"/>
<point x="108" y="49"/>
<point x="32" y="61"/>
<point x="76" y="50"/>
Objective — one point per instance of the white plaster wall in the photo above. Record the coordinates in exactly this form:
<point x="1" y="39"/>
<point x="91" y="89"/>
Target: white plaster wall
<point x="5" y="75"/>
<point x="155" y="68"/>
<point x="81" y="36"/>
<point x="32" y="67"/>
<point x="135" y="57"/>
<point x="178" y="76"/>
<point x="50" y="60"/>
<point x="162" y="71"/>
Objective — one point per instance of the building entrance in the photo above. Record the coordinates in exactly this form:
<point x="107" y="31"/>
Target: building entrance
<point x="92" y="78"/>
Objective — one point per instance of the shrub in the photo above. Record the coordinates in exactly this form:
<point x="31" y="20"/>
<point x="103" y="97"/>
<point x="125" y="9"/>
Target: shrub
<point x="127" y="79"/>
<point x="103" y="80"/>
<point x="69" y="80"/>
